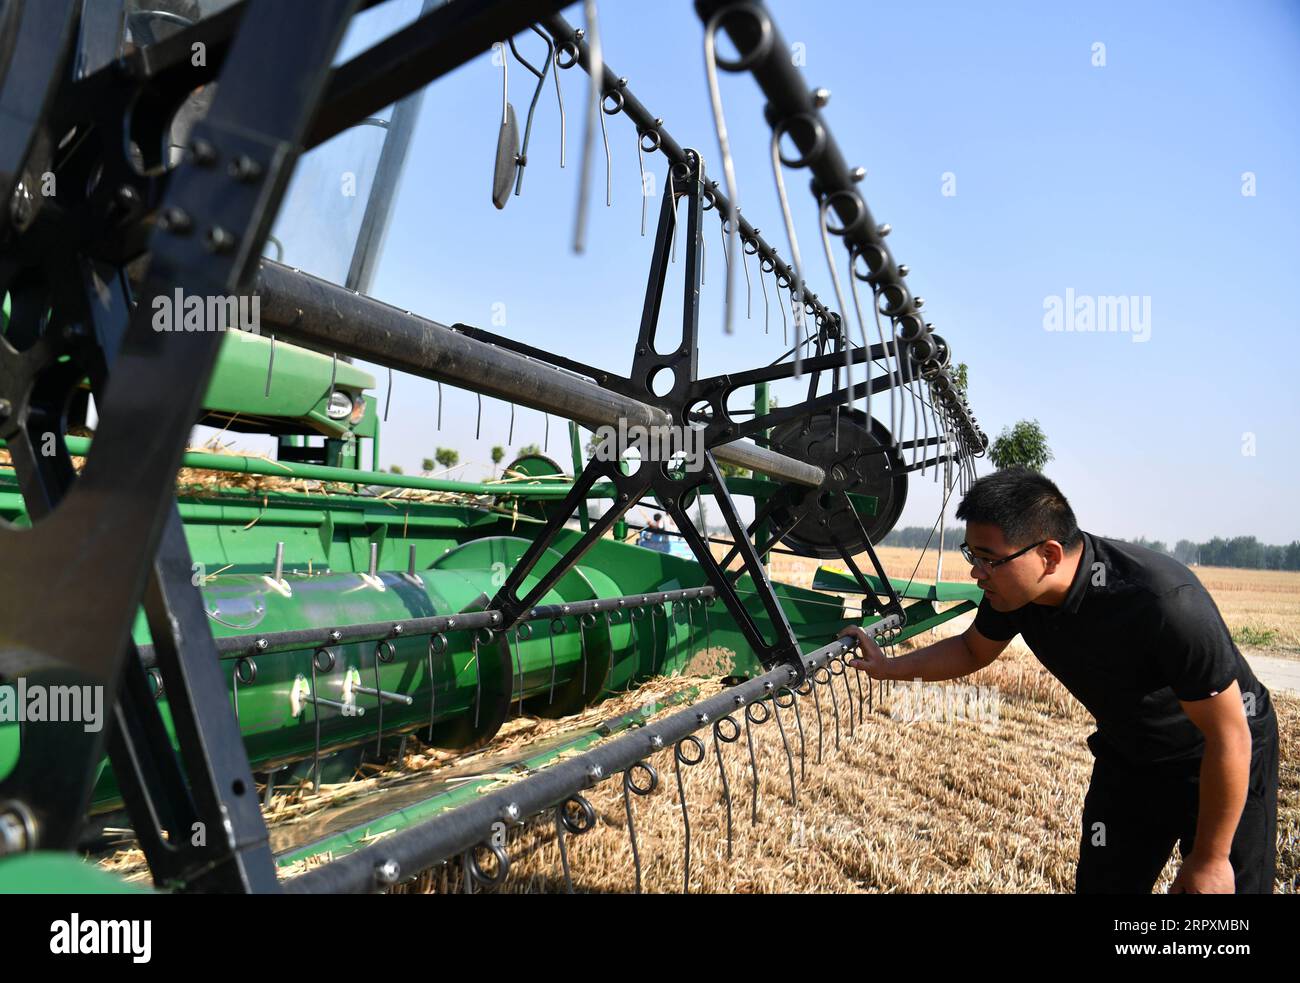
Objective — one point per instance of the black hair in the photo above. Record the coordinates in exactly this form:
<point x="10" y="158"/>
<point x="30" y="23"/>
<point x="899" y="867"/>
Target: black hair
<point x="659" y="515"/>
<point x="1025" y="505"/>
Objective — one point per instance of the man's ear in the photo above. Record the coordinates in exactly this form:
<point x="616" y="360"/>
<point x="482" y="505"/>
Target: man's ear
<point x="1052" y="553"/>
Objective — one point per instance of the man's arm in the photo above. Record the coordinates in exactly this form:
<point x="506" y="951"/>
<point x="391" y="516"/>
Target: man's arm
<point x="947" y="658"/>
<point x="1225" y="771"/>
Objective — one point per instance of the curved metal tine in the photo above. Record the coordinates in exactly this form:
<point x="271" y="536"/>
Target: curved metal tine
<point x="906" y="357"/>
<point x="848" y="691"/>
<point x="728" y="164"/>
<point x="439" y="405"/>
<point x="478" y="675"/>
<point x="550" y="636"/>
<point x="596" y="71"/>
<point x="796" y="285"/>
<point x="835" y="705"/>
<point x="862" y="717"/>
<point x="636" y="650"/>
<point x="891" y="370"/>
<point x="817" y="702"/>
<point x="519" y="670"/>
<point x="753" y="770"/>
<point x="270" y="366"/>
<point x="546" y="433"/>
<point x="640" y="163"/>
<point x="510" y="439"/>
<point x="785" y="327"/>
<point x="839" y="298"/>
<point x="609" y="166"/>
<point x="862" y="327"/>
<point x="559" y="97"/>
<point x="718" y="741"/>
<point x="749" y="289"/>
<point x="582" y="648"/>
<point x="631" y="827"/>
<point x="433" y="690"/>
<point x="762" y="282"/>
<point x="678" y="760"/>
<point x="564" y="852"/>
<point x="478" y="417"/>
<point x="798" y="719"/>
<point x="789" y="758"/>
<point x="537" y="93"/>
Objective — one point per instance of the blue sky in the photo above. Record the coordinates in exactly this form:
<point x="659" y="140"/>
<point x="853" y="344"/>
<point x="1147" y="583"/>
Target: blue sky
<point x="1119" y="180"/>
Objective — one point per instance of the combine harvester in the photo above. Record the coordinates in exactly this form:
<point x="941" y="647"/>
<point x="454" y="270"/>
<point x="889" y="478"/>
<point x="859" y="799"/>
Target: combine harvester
<point x="272" y="629"/>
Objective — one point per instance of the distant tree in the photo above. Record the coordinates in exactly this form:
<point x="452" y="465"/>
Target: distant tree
<point x="732" y="470"/>
<point x="528" y="450"/>
<point x="1022" y="445"/>
<point x="959" y="376"/>
<point x="396" y="469"/>
<point x="427" y="464"/>
<point x="446" y="457"/>
<point x="498" y="453"/>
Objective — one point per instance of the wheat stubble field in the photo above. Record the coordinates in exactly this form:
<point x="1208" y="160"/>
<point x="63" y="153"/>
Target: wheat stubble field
<point x="967" y="805"/>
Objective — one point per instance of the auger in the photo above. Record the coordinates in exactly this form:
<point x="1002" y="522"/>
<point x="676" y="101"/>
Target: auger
<point x="275" y="633"/>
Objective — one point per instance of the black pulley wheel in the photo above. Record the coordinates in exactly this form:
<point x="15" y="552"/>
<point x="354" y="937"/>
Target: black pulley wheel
<point x="861" y="463"/>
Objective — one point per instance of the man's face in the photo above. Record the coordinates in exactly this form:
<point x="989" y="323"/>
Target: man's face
<point x="1009" y="585"/>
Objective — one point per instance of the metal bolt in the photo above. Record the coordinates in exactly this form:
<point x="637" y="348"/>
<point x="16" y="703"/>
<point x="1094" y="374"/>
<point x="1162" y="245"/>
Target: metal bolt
<point x="858" y="174"/>
<point x="261" y="645"/>
<point x="6" y="408"/>
<point x="884" y="229"/>
<point x="336" y="635"/>
<point x="244" y="168"/>
<point x="204" y="153"/>
<point x="821" y="97"/>
<point x="219" y="240"/>
<point x="512" y="811"/>
<point x="175" y="221"/>
<point x="17" y="829"/>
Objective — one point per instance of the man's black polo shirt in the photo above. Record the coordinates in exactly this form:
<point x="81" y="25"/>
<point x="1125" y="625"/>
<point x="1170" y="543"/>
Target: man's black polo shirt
<point x="1136" y="633"/>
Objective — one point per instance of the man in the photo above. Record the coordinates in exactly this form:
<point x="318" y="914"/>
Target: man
<point x="1186" y="746"/>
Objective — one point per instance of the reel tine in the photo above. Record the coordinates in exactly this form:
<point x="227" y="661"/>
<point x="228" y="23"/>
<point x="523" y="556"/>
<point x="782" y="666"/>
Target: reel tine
<point x="817" y="702"/>
<point x="796" y="285"/>
<point x="835" y="703"/>
<point x="559" y="98"/>
<point x="848" y="694"/>
<point x="609" y="167"/>
<point x="862" y="327"/>
<point x="718" y="740"/>
<point x="546" y="434"/>
<point x="798" y="719"/>
<point x="532" y="106"/>
<point x="762" y="282"/>
<point x="753" y="763"/>
<point x="680" y="759"/>
<point x="630" y="785"/>
<point x="839" y="297"/>
<point x="728" y="163"/>
<point x="478" y="419"/>
<point x="550" y="637"/>
<point x="439" y="385"/>
<point x="270" y="365"/>
<point x="510" y="439"/>
<point x="789" y="758"/>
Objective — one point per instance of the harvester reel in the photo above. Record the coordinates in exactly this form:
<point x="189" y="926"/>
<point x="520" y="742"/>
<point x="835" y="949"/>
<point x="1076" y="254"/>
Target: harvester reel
<point x="857" y="462"/>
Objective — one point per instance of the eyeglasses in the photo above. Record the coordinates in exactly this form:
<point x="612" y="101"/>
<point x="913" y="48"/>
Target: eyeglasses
<point x="986" y="566"/>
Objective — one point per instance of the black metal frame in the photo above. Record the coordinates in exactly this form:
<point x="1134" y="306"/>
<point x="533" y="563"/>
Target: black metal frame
<point x="113" y="532"/>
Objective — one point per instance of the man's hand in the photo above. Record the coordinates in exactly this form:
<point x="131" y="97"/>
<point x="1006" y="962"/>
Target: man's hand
<point x="1204" y="876"/>
<point x="870" y="658"/>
